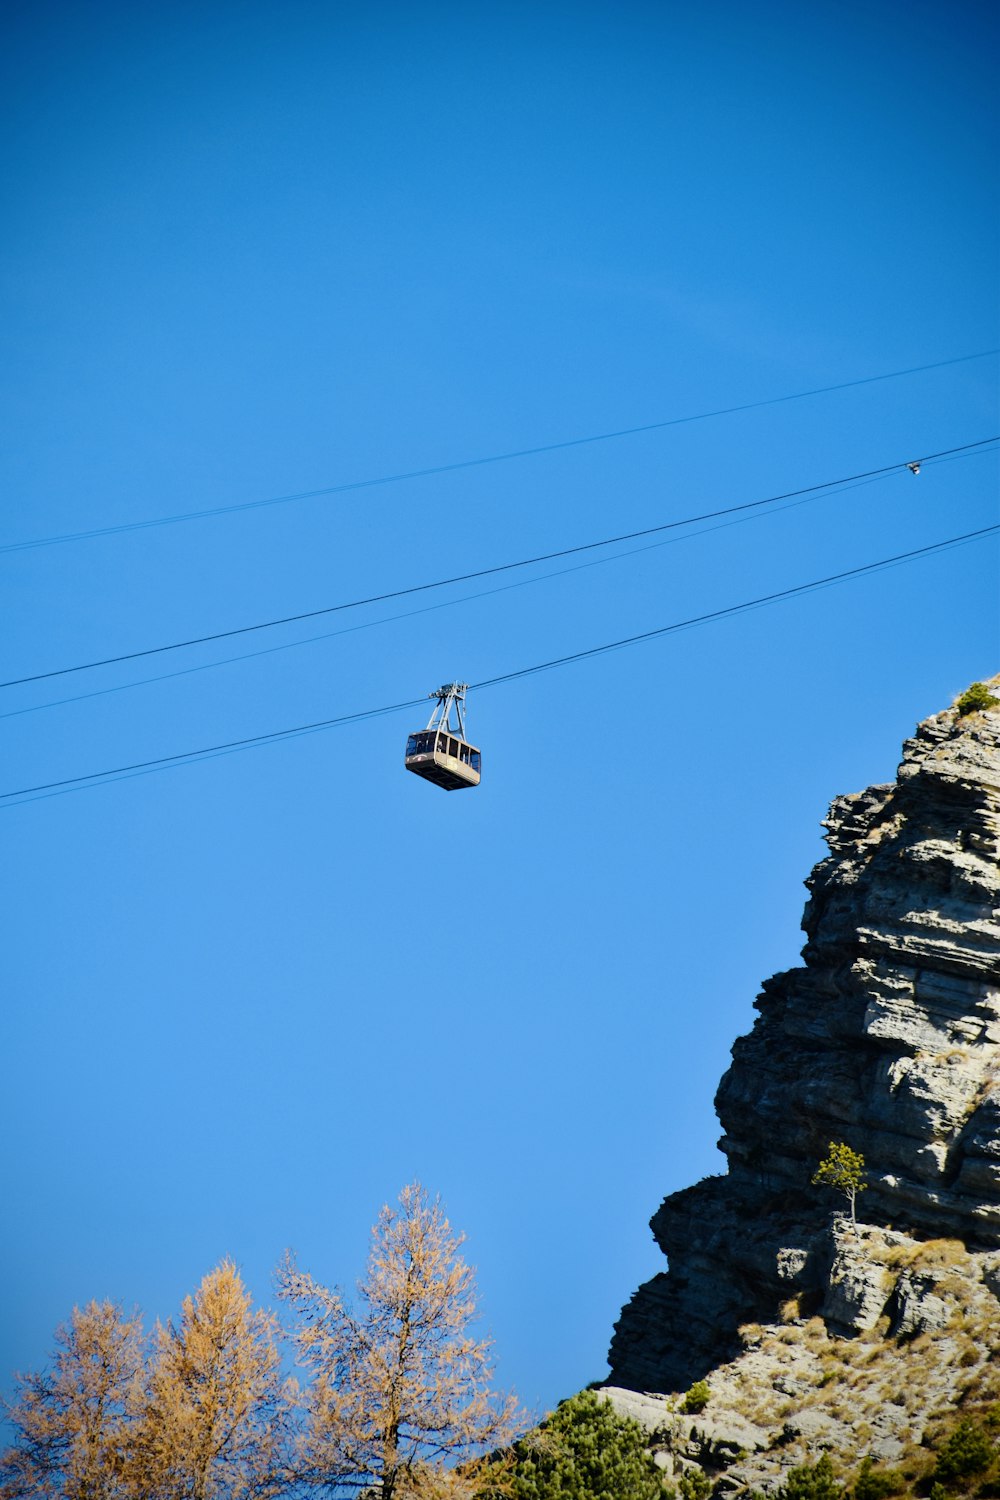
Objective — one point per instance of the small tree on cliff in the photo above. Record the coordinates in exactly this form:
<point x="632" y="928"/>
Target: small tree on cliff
<point x="976" y="697"/>
<point x="843" y="1170"/>
<point x="401" y="1388"/>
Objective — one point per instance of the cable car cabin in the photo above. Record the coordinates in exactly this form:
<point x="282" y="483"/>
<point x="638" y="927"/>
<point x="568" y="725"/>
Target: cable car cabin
<point x="440" y="753"/>
<point x="444" y="758"/>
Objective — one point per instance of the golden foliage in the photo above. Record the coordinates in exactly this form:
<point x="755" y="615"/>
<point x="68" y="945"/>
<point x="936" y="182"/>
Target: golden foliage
<point x="214" y="1406"/>
<point x="71" y="1425"/>
<point x="400" y="1403"/>
<point x="400" y="1391"/>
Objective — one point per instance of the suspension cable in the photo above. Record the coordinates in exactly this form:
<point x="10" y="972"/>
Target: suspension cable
<point x="491" y="458"/>
<point x="76" y="783"/>
<point x="419" y="588"/>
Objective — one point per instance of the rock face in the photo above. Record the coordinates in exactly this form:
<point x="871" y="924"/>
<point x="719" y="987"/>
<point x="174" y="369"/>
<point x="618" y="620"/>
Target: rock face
<point x="799" y="1388"/>
<point x="888" y="1039"/>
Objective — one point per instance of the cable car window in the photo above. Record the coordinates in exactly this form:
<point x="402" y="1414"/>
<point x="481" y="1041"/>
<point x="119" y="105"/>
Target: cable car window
<point x="412" y="744"/>
<point x="476" y="760"/>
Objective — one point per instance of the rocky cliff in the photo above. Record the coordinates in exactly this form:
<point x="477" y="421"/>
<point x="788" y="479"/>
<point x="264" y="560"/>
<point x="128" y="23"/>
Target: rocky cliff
<point x="887" y="1039"/>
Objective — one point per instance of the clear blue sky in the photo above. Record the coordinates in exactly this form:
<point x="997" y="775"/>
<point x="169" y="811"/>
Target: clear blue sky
<point x="256" y="249"/>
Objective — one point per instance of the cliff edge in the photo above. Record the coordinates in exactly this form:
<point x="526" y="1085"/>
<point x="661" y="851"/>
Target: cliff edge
<point x="888" y="1039"/>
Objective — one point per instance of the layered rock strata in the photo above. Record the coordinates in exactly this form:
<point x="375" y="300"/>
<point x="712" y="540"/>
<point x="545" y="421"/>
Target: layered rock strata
<point x="888" y="1039"/>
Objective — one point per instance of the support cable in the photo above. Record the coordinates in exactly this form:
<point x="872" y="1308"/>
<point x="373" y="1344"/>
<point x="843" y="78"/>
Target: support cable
<point x="526" y="562"/>
<point x="76" y="783"/>
<point x="491" y="458"/>
<point x="424" y="609"/>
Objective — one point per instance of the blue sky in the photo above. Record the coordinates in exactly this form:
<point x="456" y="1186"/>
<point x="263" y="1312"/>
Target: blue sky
<point x="254" y="250"/>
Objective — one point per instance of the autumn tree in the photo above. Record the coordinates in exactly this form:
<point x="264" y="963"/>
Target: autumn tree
<point x="215" y="1407"/>
<point x="71" y="1424"/>
<point x="843" y="1170"/>
<point x="401" y="1387"/>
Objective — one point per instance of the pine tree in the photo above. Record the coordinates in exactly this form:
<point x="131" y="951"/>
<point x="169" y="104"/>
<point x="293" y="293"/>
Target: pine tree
<point x="400" y="1390"/>
<point x="583" y="1451"/>
<point x="816" y="1481"/>
<point x="215" y="1407"/>
<point x="969" y="1450"/>
<point x="71" y="1424"/>
<point x="844" y="1171"/>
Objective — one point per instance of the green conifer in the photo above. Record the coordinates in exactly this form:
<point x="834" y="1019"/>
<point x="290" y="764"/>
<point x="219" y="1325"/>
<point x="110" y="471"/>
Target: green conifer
<point x="583" y="1451"/>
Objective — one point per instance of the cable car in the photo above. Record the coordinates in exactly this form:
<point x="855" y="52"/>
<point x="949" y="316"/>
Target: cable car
<point x="440" y="753"/>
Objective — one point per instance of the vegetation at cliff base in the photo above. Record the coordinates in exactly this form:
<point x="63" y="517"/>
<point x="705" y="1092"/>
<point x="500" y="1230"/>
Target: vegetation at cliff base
<point x="693" y="1485"/>
<point x="396" y="1404"/>
<point x="969" y="1452"/>
<point x="816" y="1481"/>
<point x="967" y="1463"/>
<point x="877" y="1484"/>
<point x="584" y="1451"/>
